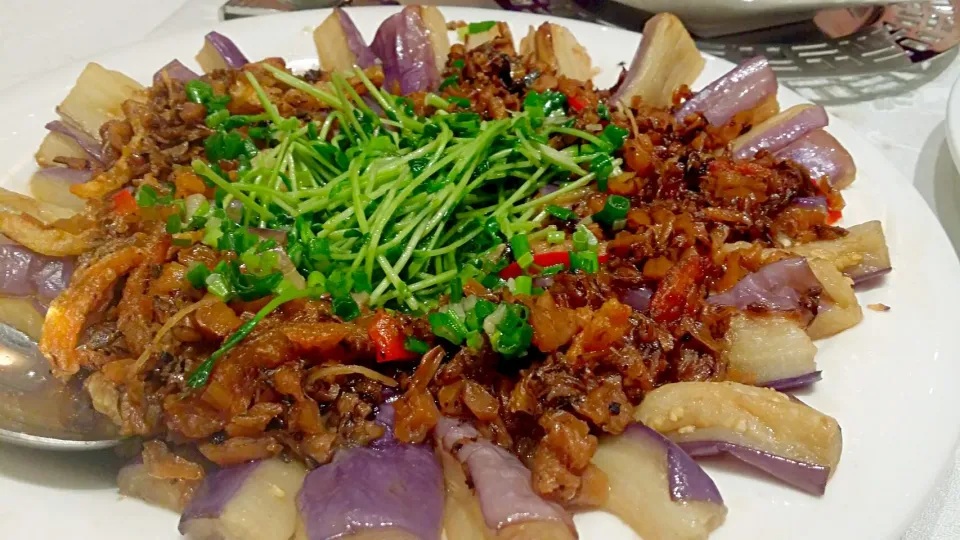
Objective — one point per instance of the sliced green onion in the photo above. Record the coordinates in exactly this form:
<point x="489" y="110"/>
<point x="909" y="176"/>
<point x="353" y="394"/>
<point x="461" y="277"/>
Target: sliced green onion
<point x="552" y="270"/>
<point x="198" y="91"/>
<point x="561" y="213"/>
<point x="480" y="27"/>
<point x="463" y="103"/>
<point x="146" y="196"/>
<point x="361" y="282"/>
<point x="474" y="340"/>
<point x="614" y="136"/>
<point x="197" y="276"/>
<point x="220" y="287"/>
<point x="584" y="239"/>
<point x="346" y="308"/>
<point x="415" y="345"/>
<point x="520" y="245"/>
<point x="447" y="325"/>
<point x="525" y="260"/>
<point x="174" y="223"/>
<point x="216" y="118"/>
<point x="585" y="261"/>
<point x="580" y="241"/>
<point x="481" y="310"/>
<point x="603" y="111"/>
<point x="452" y="80"/>
<point x="523" y="285"/>
<point x="556" y="237"/>
<point x="316" y="280"/>
<point x="615" y="209"/>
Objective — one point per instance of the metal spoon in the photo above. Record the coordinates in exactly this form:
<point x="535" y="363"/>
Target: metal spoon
<point x="38" y="410"/>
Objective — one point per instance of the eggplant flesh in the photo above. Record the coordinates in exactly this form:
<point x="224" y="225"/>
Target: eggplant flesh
<point x="758" y="418"/>
<point x="257" y="503"/>
<point x="638" y="472"/>
<point x="839" y="308"/>
<point x="863" y="251"/>
<point x="666" y="59"/>
<point x="761" y="349"/>
<point x="97" y="97"/>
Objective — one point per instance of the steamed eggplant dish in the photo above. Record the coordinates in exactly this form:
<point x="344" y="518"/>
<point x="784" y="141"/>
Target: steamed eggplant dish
<point x="442" y="284"/>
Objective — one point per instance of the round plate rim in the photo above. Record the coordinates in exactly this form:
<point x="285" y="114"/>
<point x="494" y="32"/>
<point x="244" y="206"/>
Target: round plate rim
<point x="62" y="78"/>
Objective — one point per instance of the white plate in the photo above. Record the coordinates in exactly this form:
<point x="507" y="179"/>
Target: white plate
<point x="891" y="381"/>
<point x="708" y="18"/>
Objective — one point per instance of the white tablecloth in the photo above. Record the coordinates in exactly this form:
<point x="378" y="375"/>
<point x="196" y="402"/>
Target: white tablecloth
<point x="908" y="125"/>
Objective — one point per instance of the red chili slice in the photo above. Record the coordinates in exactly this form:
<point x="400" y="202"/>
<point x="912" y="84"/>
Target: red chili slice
<point x="389" y="339"/>
<point x="577" y="103"/>
<point x="124" y="203"/>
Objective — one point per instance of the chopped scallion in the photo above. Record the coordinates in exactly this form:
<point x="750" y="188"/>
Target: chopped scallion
<point x="561" y="213"/>
<point x="552" y="270"/>
<point x="146" y="196"/>
<point x="614" y="209"/>
<point x="346" y="308"/>
<point x="447" y="325"/>
<point x="523" y="285"/>
<point x="174" y="223"/>
<point x="415" y="345"/>
<point x="520" y="245"/>
<point x="585" y="260"/>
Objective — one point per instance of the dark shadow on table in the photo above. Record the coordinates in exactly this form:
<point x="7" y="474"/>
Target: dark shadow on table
<point x="937" y="179"/>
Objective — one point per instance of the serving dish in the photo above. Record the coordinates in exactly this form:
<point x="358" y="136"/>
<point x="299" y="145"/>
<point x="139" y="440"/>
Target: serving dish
<point x="867" y="385"/>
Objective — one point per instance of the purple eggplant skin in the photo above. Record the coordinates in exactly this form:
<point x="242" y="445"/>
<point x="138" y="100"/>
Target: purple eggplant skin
<point x="741" y="89"/>
<point x="340" y="45"/>
<point x="355" y="42"/>
<point x="89" y="144"/>
<point x="228" y="50"/>
<point x="794" y="383"/>
<point x="24" y="272"/>
<point x="666" y="58"/>
<point x="776" y="133"/>
<point x="403" y="45"/>
<point x="502" y="485"/>
<point x="175" y="70"/>
<point x="778" y="286"/>
<point x="809" y="477"/>
<point x="761" y="427"/>
<point x="823" y="156"/>
<point x="253" y="501"/>
<point x="394" y="490"/>
<point x="220" y="52"/>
